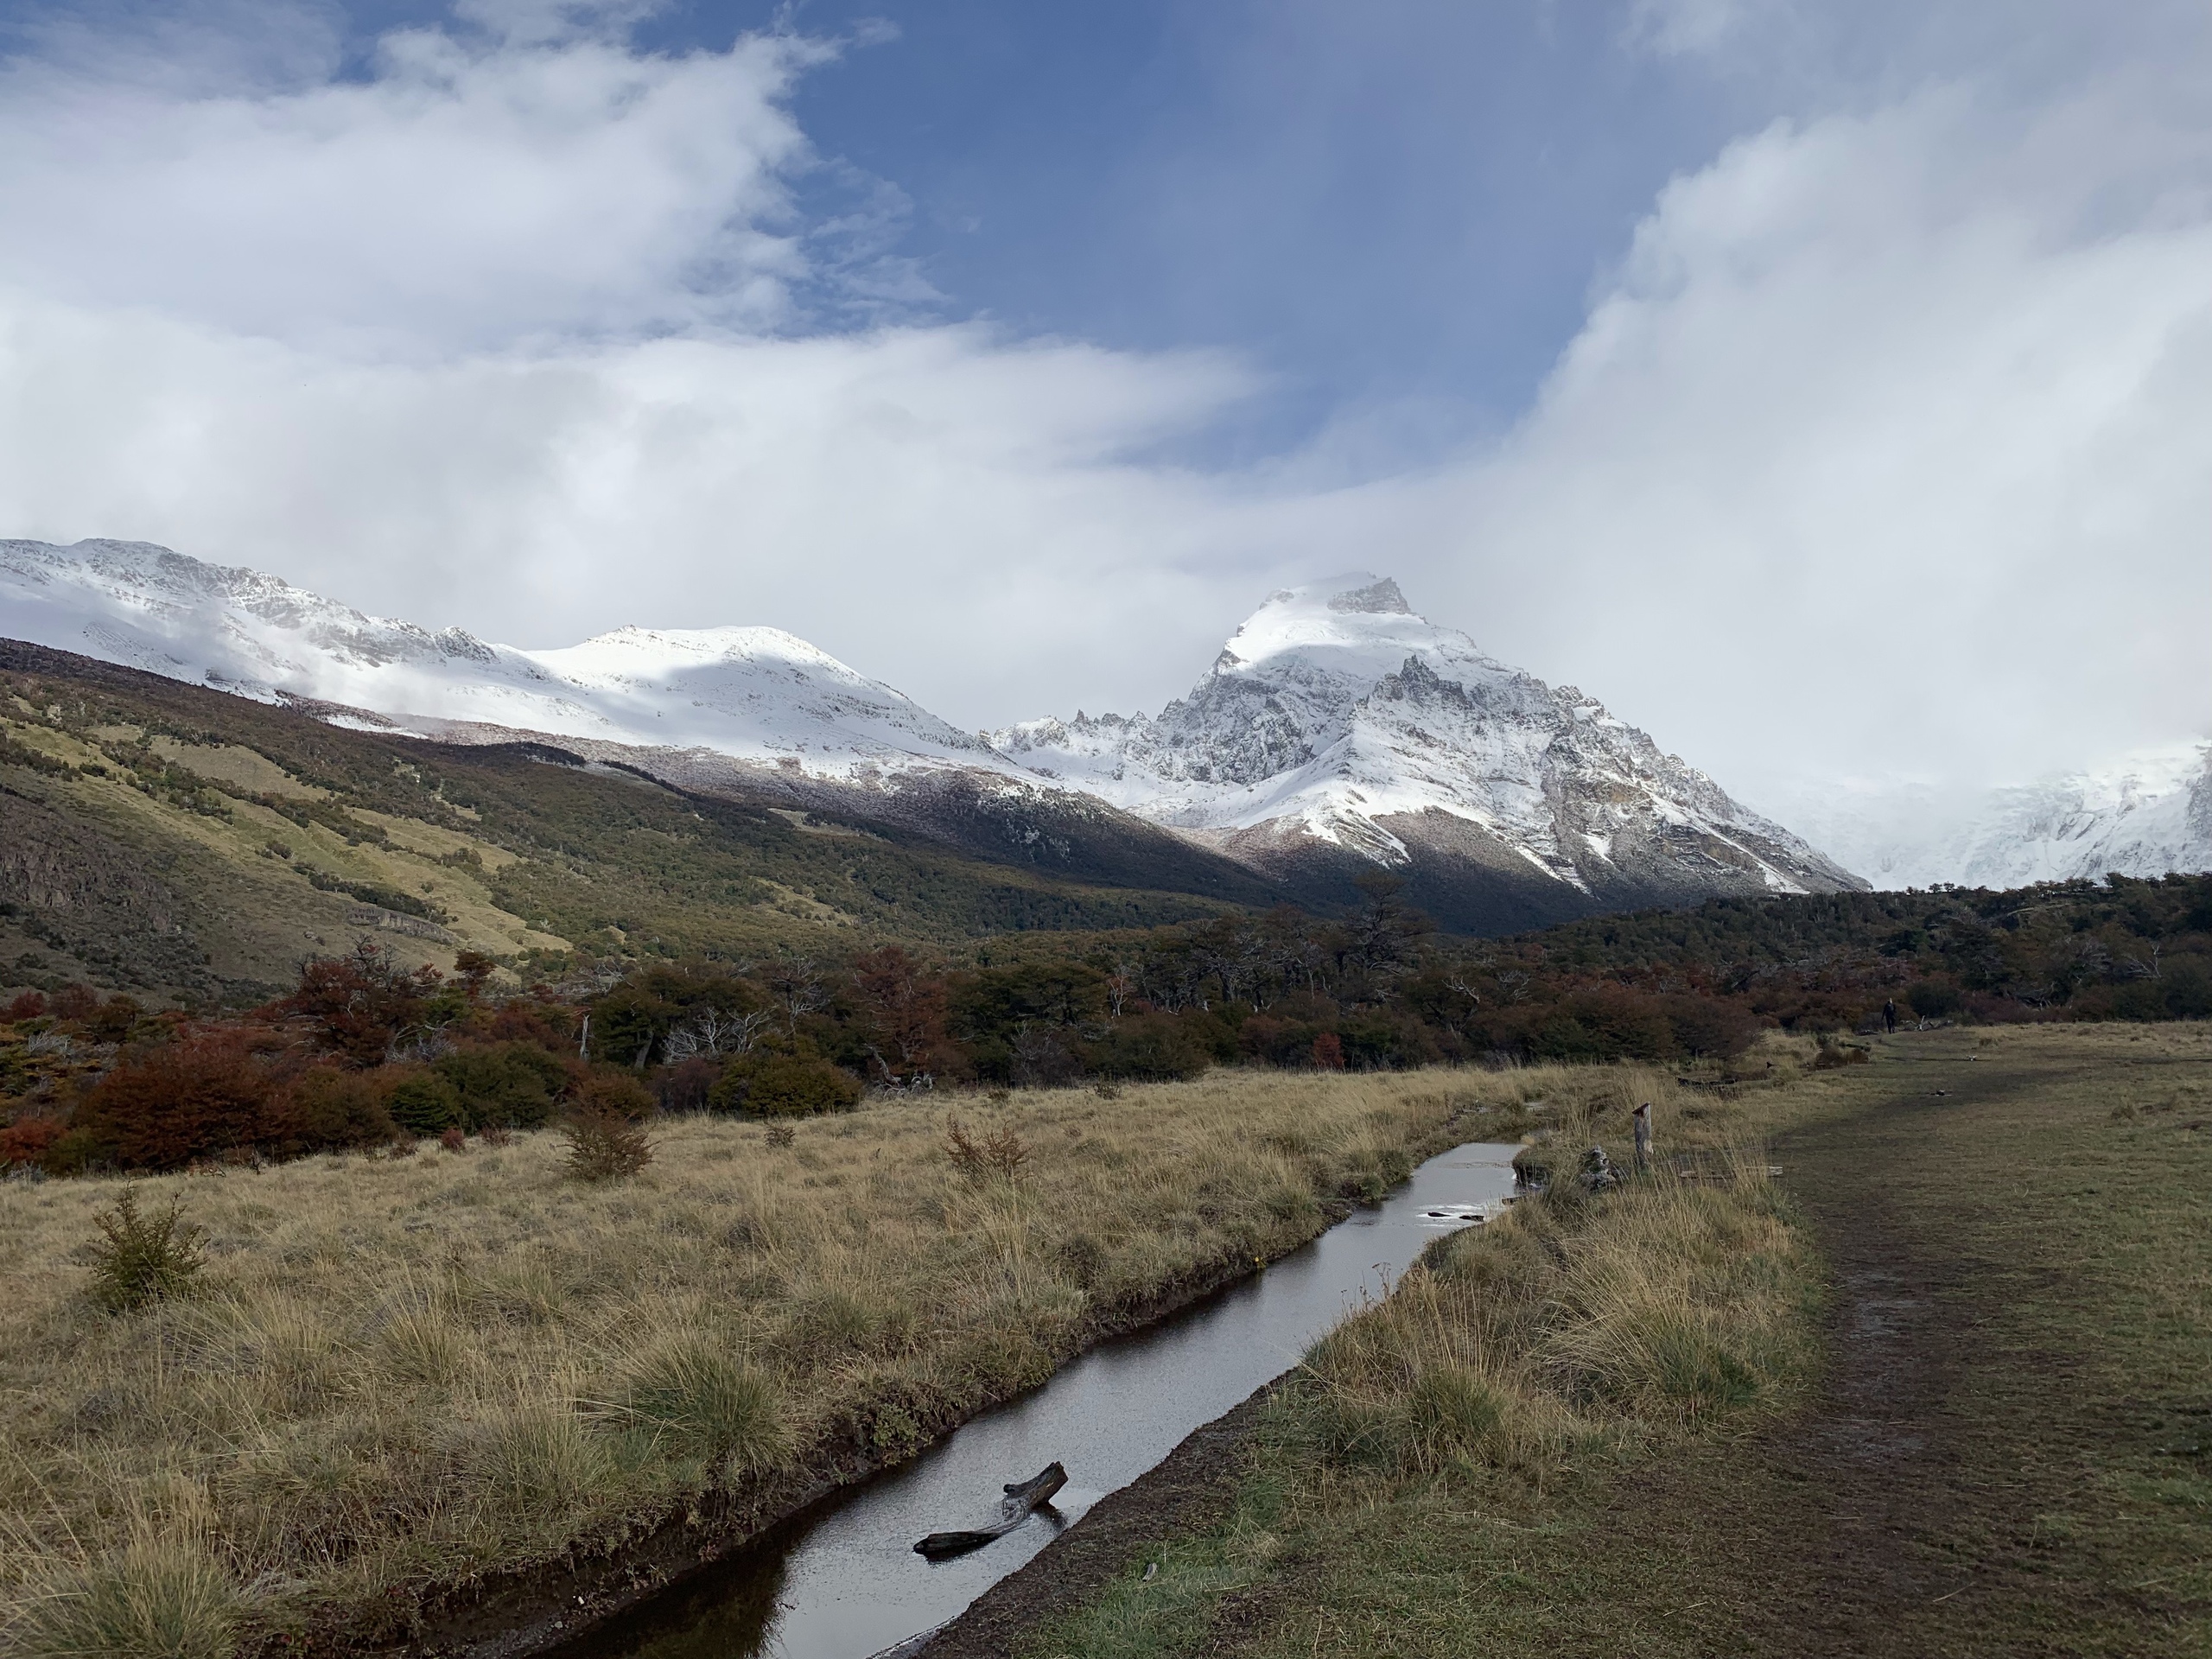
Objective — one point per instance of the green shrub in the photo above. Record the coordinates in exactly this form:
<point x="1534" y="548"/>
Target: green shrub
<point x="142" y="1258"/>
<point x="420" y="1101"/>
<point x="1151" y="1048"/>
<point x="785" y="1086"/>
<point x="515" y="1085"/>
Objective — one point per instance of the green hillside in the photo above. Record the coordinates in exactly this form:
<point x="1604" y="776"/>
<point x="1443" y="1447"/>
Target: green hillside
<point x="180" y="842"/>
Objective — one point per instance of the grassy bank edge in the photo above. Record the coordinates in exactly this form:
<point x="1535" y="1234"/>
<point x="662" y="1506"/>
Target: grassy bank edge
<point x="1548" y="1353"/>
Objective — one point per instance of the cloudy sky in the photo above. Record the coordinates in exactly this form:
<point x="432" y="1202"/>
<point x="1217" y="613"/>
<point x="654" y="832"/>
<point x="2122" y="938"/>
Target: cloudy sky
<point x="1827" y="386"/>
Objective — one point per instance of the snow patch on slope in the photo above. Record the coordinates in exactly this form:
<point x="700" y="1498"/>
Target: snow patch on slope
<point x="757" y="694"/>
<point x="2145" y="814"/>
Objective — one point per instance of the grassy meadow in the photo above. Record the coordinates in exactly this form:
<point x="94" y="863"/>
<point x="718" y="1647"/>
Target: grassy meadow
<point x="395" y="1374"/>
<point x="1937" y="1389"/>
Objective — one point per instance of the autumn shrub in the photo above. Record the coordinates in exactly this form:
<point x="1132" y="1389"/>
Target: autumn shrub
<point x="142" y="1258"/>
<point x="454" y="1139"/>
<point x="204" y="1093"/>
<point x="73" y="1003"/>
<point x="28" y="1139"/>
<point x="330" y="1108"/>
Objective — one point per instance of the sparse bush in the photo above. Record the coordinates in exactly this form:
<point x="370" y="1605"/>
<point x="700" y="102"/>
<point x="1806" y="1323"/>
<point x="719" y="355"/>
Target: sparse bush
<point x="606" y="1133"/>
<point x="143" y="1258"/>
<point x="1001" y="1152"/>
<point x="781" y="1135"/>
<point x="455" y="1139"/>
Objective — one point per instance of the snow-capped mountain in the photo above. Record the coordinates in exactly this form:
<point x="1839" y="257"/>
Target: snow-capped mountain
<point x="1337" y="719"/>
<point x="758" y="694"/>
<point x="2145" y="814"/>
<point x="1338" y="731"/>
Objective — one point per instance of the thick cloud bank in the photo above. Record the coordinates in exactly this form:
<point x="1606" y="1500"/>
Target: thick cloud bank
<point x="1883" y="451"/>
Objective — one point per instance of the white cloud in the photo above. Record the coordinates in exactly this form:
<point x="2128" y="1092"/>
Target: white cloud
<point x="1884" y="451"/>
<point x="483" y="186"/>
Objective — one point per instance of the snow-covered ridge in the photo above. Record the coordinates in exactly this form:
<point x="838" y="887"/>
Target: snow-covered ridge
<point x="2144" y="814"/>
<point x="757" y="694"/>
<point x="1339" y="714"/>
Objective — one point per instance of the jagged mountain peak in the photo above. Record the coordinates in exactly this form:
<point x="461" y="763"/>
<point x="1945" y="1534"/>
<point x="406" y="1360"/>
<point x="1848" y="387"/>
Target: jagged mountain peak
<point x="1338" y="717"/>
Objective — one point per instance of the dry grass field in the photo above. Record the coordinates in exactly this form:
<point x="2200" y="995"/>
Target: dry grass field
<point x="397" y="1374"/>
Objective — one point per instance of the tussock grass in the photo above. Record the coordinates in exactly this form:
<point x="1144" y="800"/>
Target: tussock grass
<point x="160" y="1597"/>
<point x="395" y="1374"/>
<point x="1567" y="1324"/>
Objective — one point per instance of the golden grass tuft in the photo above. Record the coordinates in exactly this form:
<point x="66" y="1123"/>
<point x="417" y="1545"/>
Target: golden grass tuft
<point x="155" y="1598"/>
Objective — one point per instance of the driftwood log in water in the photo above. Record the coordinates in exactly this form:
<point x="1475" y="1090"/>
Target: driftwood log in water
<point x="1014" y="1508"/>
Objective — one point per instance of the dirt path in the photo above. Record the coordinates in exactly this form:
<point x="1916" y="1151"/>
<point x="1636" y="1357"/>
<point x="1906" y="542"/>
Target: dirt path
<point x="1989" y="1471"/>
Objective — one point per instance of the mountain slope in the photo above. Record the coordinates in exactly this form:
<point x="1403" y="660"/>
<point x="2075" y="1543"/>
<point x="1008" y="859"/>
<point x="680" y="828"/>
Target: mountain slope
<point x="2147" y="814"/>
<point x="1336" y="732"/>
<point x="758" y="694"/>
<point x="1336" y="725"/>
<point x="746" y="713"/>
<point x="164" y="837"/>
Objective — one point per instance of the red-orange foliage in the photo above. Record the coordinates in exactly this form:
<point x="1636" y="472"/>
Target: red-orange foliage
<point x="73" y="1002"/>
<point x="548" y="1025"/>
<point x="1329" y="1052"/>
<point x="26" y="1140"/>
<point x="359" y="1003"/>
<point x="27" y="1005"/>
<point x="905" y="1013"/>
<point x="208" y="1092"/>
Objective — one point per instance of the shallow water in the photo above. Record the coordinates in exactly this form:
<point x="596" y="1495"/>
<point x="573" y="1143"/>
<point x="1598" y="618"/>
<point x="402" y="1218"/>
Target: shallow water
<point x="841" y="1581"/>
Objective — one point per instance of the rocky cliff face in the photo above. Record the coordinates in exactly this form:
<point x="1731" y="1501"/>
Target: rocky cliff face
<point x="1337" y="723"/>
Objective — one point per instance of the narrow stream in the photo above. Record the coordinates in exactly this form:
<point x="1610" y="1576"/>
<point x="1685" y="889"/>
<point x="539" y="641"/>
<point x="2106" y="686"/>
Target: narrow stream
<point x="841" y="1581"/>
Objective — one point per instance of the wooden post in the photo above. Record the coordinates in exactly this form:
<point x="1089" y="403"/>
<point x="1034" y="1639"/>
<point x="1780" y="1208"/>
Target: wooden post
<point x="1644" y="1139"/>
